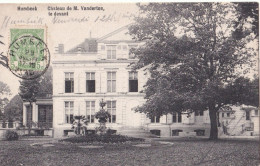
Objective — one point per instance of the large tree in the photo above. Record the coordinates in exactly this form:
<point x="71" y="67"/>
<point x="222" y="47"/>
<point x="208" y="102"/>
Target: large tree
<point x="192" y="52"/>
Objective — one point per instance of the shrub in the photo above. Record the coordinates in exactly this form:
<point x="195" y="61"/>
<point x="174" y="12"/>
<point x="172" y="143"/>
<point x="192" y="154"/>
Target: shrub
<point x="105" y="138"/>
<point x="111" y="131"/>
<point x="3" y="124"/>
<point x="11" y="135"/>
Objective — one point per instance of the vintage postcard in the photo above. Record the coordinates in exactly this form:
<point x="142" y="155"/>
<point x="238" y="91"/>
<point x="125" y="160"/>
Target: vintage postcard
<point x="129" y="83"/>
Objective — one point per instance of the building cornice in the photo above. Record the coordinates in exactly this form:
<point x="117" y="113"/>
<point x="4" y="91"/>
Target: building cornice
<point x="99" y="95"/>
<point x="94" y="61"/>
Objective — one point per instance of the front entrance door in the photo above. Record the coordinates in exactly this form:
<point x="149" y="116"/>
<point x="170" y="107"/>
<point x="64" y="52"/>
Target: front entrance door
<point x="45" y="116"/>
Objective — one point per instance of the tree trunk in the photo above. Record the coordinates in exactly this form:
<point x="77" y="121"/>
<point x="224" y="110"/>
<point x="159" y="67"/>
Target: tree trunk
<point x="213" y="124"/>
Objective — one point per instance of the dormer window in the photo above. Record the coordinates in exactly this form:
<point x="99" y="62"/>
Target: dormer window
<point x="79" y="49"/>
<point x="111" y="52"/>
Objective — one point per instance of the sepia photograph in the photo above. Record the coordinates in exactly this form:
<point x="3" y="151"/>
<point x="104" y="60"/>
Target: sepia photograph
<point x="129" y="84"/>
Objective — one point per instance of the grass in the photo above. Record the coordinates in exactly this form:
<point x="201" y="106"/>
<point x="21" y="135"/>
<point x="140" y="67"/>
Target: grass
<point x="183" y="152"/>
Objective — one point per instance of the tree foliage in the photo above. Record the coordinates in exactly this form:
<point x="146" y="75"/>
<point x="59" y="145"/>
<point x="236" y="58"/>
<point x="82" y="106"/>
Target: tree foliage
<point x="29" y="89"/>
<point x="244" y="90"/>
<point x="46" y="82"/>
<point x="4" y="89"/>
<point x="13" y="110"/>
<point x="4" y="92"/>
<point x="191" y="55"/>
<point x="248" y="11"/>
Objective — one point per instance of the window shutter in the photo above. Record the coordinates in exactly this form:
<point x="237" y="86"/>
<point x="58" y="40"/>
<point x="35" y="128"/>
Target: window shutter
<point x="82" y="83"/>
<point x="163" y="119"/>
<point x="141" y="80"/>
<point x="169" y="118"/>
<point x="103" y="82"/>
<point x="123" y="81"/>
<point x="119" y="112"/>
<point x="58" y="82"/>
<point x="119" y="81"/>
<point x="147" y="120"/>
<point x="59" y="114"/>
<point x="206" y="117"/>
<point x="97" y="82"/>
<point x="102" y="52"/>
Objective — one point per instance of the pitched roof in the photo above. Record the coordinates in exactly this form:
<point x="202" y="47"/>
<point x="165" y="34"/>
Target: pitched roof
<point x="88" y="46"/>
<point x="113" y="33"/>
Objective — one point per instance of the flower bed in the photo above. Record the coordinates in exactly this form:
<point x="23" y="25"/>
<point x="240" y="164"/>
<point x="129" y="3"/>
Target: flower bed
<point x="106" y="138"/>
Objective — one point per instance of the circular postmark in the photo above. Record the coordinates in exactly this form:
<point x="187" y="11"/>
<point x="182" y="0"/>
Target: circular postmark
<point x="29" y="57"/>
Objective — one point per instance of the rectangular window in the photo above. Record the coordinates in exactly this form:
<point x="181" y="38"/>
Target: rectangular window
<point x="90" y="111"/>
<point x="247" y="115"/>
<point x="133" y="82"/>
<point x="228" y="114"/>
<point x="69" y="111"/>
<point x="111" y="108"/>
<point x="90" y="82"/>
<point x="199" y="113"/>
<point x="176" y="117"/>
<point x="223" y="114"/>
<point x="111" y="52"/>
<point x="155" y="119"/>
<point x="28" y="114"/>
<point x="42" y="114"/>
<point x="111" y="81"/>
<point x="69" y="82"/>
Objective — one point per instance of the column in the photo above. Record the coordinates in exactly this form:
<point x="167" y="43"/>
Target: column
<point x="24" y="114"/>
<point x="34" y="112"/>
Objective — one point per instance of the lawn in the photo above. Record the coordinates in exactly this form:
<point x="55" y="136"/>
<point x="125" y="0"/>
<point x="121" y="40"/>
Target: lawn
<point x="183" y="152"/>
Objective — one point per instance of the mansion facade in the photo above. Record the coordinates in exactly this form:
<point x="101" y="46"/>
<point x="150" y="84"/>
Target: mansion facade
<point x="99" y="69"/>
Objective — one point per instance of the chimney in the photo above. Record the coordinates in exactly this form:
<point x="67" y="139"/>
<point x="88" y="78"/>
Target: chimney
<point x="60" y="48"/>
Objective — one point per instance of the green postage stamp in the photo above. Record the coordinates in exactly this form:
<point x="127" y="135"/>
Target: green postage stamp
<point x="29" y="56"/>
